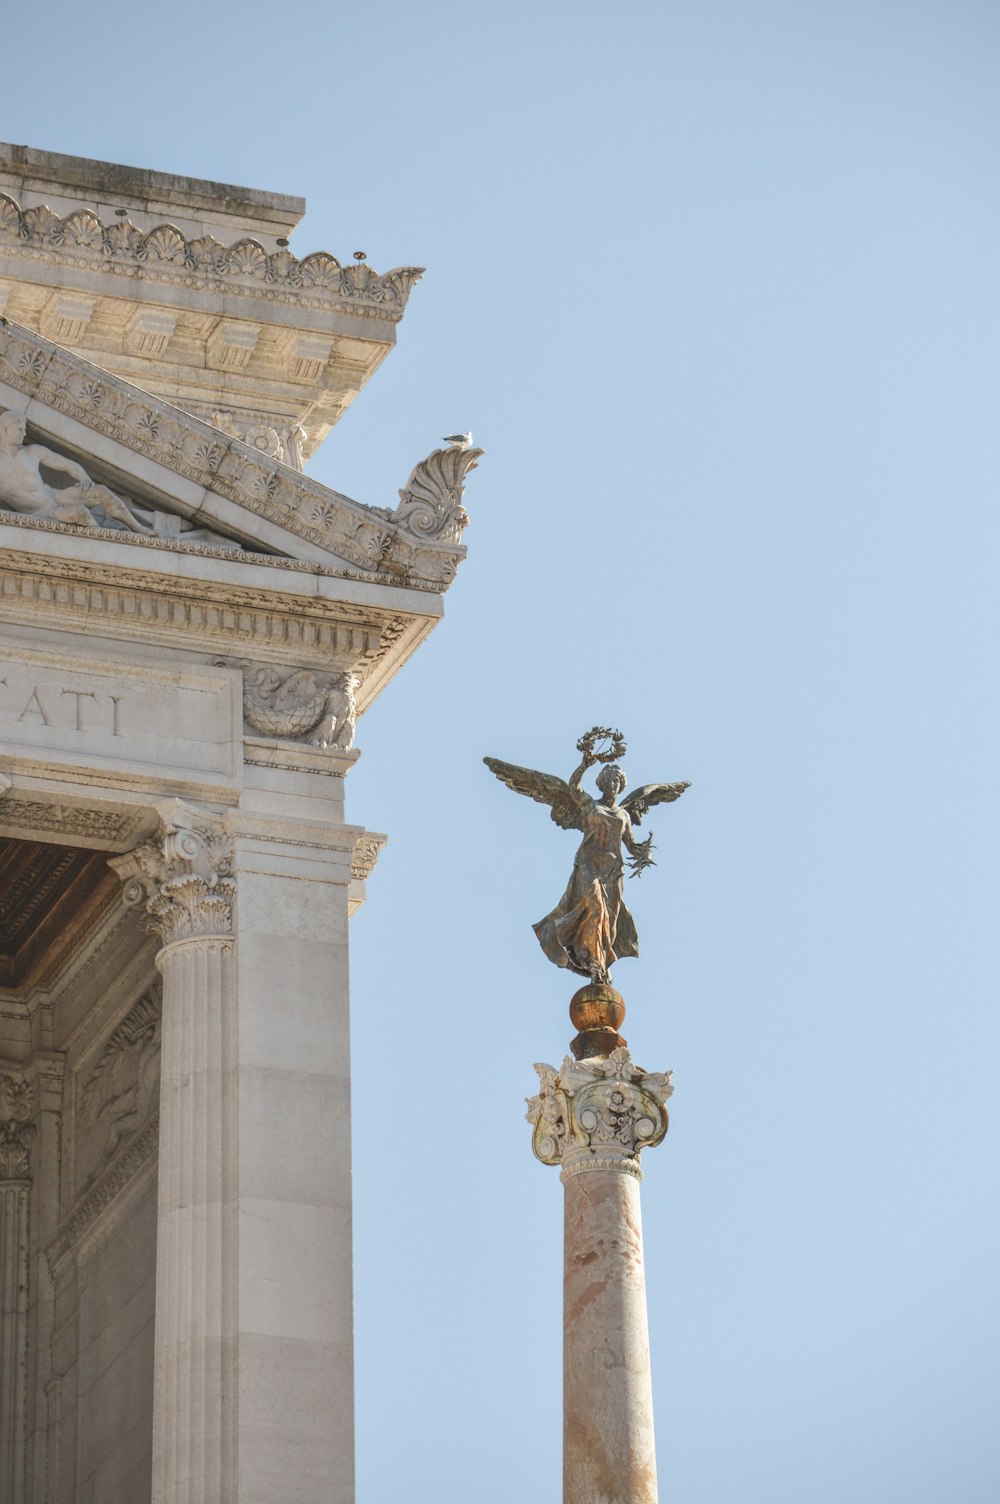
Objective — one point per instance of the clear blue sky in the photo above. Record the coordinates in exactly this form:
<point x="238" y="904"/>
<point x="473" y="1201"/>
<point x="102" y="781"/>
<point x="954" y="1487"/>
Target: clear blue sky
<point x="716" y="286"/>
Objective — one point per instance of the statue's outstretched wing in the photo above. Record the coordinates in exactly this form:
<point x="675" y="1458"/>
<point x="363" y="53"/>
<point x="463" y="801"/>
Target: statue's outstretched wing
<point x="651" y="793"/>
<point x="567" y="805"/>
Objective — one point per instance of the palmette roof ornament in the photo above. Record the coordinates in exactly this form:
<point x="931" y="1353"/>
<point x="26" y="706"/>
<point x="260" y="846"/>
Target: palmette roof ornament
<point x="164" y="254"/>
<point x="430" y="504"/>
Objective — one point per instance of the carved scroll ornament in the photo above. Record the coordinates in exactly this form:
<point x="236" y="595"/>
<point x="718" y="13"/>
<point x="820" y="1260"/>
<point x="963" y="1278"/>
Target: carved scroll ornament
<point x="598" y="1114"/>
<point x="367" y="851"/>
<point x="430" y="504"/>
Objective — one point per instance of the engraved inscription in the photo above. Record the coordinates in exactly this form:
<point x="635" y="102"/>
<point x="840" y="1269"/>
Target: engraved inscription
<point x="104" y="715"/>
<point x="117" y="718"/>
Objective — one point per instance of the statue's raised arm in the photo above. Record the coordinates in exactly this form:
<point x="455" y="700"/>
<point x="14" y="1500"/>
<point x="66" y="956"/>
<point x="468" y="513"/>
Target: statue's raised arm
<point x="591" y="926"/>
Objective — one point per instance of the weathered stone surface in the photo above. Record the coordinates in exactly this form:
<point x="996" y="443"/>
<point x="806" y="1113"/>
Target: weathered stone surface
<point x="593" y="1117"/>
<point x="189" y="289"/>
<point x="190" y="630"/>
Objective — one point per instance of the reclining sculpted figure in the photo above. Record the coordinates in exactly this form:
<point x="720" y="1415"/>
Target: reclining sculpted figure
<point x="23" y="488"/>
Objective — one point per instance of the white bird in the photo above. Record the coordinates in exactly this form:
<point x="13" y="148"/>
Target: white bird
<point x="458" y="440"/>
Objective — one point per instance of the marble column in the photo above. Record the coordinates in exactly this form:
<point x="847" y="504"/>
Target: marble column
<point x="253" y="1385"/>
<point x="593" y="1117"/>
<point x="16" y="1136"/>
<point x="183" y="879"/>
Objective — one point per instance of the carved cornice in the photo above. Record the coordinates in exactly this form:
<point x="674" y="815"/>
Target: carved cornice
<point x="367" y="851"/>
<point x="182" y="877"/>
<point x="209" y="614"/>
<point x="382" y="545"/>
<point x="598" y="1114"/>
<point x="17" y="1132"/>
<point x="163" y="255"/>
<point x="211" y="551"/>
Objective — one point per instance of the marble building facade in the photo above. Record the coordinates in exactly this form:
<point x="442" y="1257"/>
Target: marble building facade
<point x="190" y="628"/>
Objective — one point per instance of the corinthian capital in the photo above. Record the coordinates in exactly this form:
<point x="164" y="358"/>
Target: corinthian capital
<point x="183" y="876"/>
<point x="16" y="1131"/>
<point x="598" y="1114"/>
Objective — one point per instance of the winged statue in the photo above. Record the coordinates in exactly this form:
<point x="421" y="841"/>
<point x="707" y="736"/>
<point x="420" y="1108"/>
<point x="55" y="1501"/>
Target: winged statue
<point x="591" y="927"/>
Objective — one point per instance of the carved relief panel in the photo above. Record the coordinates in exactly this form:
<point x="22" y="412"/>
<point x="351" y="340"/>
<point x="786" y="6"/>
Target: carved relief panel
<point x="118" y="1091"/>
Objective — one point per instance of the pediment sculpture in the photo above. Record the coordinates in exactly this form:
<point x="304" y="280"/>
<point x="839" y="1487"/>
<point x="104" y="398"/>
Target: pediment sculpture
<point x="30" y="476"/>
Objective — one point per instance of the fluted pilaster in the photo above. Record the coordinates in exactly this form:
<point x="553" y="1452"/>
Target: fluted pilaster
<point x="17" y="1134"/>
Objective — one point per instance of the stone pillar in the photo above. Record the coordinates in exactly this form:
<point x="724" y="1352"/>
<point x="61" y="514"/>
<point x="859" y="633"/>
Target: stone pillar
<point x="593" y="1117"/>
<point x="183" y="880"/>
<point x="253" y="1388"/>
<point x="16" y="1136"/>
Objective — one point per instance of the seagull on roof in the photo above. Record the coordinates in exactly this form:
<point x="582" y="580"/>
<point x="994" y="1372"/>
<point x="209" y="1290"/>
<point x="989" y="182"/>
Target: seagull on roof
<point x="458" y="440"/>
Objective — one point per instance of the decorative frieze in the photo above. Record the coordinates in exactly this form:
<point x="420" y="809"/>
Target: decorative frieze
<point x="598" y="1114"/>
<point x="282" y="442"/>
<point x="85" y="594"/>
<point x="67" y="819"/>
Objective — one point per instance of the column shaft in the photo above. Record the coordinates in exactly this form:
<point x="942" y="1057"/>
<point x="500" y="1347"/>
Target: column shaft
<point x="194" y="1385"/>
<point x="14" y="1212"/>
<point x="608" y="1450"/>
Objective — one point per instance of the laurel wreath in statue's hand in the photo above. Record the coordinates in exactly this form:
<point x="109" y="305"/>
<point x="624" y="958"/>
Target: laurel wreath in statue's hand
<point x="601" y="744"/>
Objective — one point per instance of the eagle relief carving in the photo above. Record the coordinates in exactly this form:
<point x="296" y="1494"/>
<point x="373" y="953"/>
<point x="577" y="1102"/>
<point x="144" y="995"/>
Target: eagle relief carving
<point x="308" y="705"/>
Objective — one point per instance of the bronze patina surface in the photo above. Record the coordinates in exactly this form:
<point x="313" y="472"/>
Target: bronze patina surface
<point x="591" y="927"/>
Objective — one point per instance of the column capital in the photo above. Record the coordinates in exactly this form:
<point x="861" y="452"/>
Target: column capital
<point x="17" y="1131"/>
<point x="598" y="1114"/>
<point x="183" y="876"/>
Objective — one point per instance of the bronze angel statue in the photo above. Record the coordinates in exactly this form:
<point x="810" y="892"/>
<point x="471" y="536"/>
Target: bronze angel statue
<point x="590" y="928"/>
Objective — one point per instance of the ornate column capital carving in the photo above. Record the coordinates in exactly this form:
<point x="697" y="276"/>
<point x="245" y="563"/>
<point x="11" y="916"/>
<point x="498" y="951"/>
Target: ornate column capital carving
<point x="183" y="876"/>
<point x="598" y="1114"/>
<point x="367" y="850"/>
<point x="17" y="1131"/>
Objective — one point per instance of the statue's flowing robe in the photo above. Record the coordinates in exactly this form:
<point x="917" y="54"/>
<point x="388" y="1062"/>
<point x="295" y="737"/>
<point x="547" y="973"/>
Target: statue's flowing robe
<point x="590" y="928"/>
